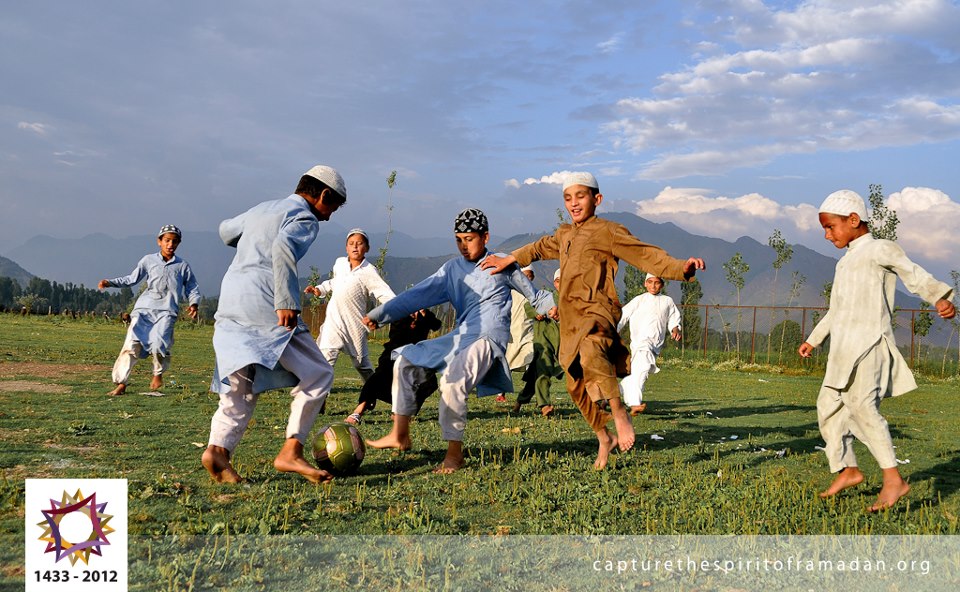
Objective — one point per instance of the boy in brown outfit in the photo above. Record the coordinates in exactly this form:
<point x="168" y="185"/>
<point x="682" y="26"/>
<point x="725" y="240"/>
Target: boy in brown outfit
<point x="591" y="352"/>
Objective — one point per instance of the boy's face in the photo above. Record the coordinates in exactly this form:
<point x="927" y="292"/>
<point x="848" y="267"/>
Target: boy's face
<point x="324" y="206"/>
<point x="356" y="248"/>
<point x="472" y="245"/>
<point x="168" y="244"/>
<point x="653" y="285"/>
<point x="581" y="203"/>
<point x="840" y="230"/>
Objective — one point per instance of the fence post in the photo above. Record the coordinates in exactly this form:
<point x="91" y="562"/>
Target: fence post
<point x="753" y="335"/>
<point x="706" y="327"/>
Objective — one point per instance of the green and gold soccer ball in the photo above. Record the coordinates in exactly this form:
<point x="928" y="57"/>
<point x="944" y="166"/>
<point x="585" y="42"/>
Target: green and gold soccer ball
<point x="339" y="448"/>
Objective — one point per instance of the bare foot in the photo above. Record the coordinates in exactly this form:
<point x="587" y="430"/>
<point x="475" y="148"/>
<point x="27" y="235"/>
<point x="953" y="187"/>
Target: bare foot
<point x="608" y="442"/>
<point x="621" y="421"/>
<point x="848" y="477"/>
<point x="216" y="460"/>
<point x="516" y="407"/>
<point x="546" y="410"/>
<point x="291" y="460"/>
<point x="121" y="388"/>
<point x="638" y="409"/>
<point x="449" y="465"/>
<point x="391" y="441"/>
<point x="894" y="487"/>
<point x="156" y="383"/>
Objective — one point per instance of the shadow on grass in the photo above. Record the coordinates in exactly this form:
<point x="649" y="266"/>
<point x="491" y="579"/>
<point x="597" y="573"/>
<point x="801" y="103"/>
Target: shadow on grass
<point x="944" y="477"/>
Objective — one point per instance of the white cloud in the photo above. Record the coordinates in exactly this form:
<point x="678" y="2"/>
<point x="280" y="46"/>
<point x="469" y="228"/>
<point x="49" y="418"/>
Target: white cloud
<point x="612" y="44"/>
<point x="41" y="129"/>
<point x="555" y="178"/>
<point x="928" y="222"/>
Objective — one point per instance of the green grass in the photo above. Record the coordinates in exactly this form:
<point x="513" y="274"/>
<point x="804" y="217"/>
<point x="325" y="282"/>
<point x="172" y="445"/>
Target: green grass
<point x="737" y="455"/>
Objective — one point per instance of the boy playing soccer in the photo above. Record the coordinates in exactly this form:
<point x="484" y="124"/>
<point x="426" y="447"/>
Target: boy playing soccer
<point x="472" y="354"/>
<point x="169" y="280"/>
<point x="260" y="341"/>
<point x="864" y="365"/>
<point x="591" y="352"/>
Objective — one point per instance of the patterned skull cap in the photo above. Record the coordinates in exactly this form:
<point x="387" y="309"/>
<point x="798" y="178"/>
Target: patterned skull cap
<point x="169" y="229"/>
<point x="844" y="203"/>
<point x="471" y="220"/>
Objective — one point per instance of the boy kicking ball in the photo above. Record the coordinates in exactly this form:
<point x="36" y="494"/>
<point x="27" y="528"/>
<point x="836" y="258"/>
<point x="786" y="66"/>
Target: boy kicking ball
<point x="864" y="365"/>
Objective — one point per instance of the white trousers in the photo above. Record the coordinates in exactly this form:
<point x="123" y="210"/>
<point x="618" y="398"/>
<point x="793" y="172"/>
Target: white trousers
<point x="130" y="355"/>
<point x="855" y="413"/>
<point x="643" y="363"/>
<point x="458" y="379"/>
<point x="302" y="358"/>
<point x="361" y="362"/>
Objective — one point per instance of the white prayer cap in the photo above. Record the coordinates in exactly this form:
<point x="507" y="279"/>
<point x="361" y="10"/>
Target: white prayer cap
<point x="526" y="268"/>
<point x="844" y="203"/>
<point x="556" y="275"/>
<point x="650" y="276"/>
<point x="585" y="179"/>
<point x="359" y="231"/>
<point x="329" y="177"/>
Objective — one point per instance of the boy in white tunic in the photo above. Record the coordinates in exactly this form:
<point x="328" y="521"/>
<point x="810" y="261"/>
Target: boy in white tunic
<point x="260" y="341"/>
<point x="354" y="281"/>
<point x="169" y="280"/>
<point x="649" y="316"/>
<point x="864" y="364"/>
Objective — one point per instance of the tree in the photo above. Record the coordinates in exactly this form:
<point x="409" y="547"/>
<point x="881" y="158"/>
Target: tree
<point x="798" y="281"/>
<point x="784" y="254"/>
<point x="883" y="221"/>
<point x="381" y="260"/>
<point x="790" y="335"/>
<point x="690" y="295"/>
<point x="955" y="325"/>
<point x="921" y="328"/>
<point x="736" y="268"/>
<point x="633" y="280"/>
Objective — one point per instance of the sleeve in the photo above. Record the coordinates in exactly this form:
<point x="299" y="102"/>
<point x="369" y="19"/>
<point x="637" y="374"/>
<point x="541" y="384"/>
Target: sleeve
<point x="627" y="312"/>
<point x="542" y="300"/>
<point x="135" y="277"/>
<point x="821" y="331"/>
<point x="291" y="244"/>
<point x="546" y="247"/>
<point x="376" y="286"/>
<point x="914" y="278"/>
<point x="190" y="285"/>
<point x="646" y="257"/>
<point x="232" y="229"/>
<point x="431" y="291"/>
<point x="674" y="316"/>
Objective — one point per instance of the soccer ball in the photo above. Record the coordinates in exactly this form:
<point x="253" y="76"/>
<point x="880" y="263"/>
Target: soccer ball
<point x="339" y="448"/>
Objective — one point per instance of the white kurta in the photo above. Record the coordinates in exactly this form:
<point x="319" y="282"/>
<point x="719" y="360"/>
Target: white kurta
<point x="650" y="318"/>
<point x="351" y="291"/>
<point x="520" y="348"/>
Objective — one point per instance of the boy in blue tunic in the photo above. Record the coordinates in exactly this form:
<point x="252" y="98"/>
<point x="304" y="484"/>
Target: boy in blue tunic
<point x="260" y="341"/>
<point x="473" y="354"/>
<point x="169" y="280"/>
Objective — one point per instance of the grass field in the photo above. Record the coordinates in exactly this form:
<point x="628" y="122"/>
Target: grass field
<point x="734" y="453"/>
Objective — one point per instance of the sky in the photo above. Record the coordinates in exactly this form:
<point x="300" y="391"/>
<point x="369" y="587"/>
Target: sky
<point x="727" y="118"/>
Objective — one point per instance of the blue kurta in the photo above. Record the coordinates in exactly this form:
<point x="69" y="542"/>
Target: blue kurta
<point x="270" y="239"/>
<point x="482" y="302"/>
<point x="156" y="310"/>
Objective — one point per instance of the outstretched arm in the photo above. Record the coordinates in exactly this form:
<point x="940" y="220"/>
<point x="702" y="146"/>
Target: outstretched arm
<point x="946" y="309"/>
<point x="806" y="350"/>
<point x="691" y="266"/>
<point x="497" y="264"/>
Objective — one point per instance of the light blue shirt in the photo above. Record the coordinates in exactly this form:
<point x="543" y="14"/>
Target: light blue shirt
<point x="156" y="310"/>
<point x="482" y="302"/>
<point x="270" y="239"/>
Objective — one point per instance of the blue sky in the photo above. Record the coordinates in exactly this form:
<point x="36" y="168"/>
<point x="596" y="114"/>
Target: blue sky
<point x="728" y="118"/>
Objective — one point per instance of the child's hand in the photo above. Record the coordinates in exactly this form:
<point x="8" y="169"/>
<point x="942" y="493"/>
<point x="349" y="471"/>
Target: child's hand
<point x="370" y="323"/>
<point x="192" y="311"/>
<point x="287" y="317"/>
<point x="691" y="266"/>
<point x="946" y="309"/>
<point x="806" y="350"/>
<point x="311" y="290"/>
<point x="497" y="264"/>
<point x="554" y="313"/>
<point x="675" y="334"/>
<point x="103" y="284"/>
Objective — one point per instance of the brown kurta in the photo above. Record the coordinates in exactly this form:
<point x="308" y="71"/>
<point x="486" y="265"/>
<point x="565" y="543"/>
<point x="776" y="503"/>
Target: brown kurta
<point x="589" y="307"/>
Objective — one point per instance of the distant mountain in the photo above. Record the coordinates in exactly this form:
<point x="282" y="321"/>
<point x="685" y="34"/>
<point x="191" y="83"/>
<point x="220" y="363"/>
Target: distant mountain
<point x="10" y="269"/>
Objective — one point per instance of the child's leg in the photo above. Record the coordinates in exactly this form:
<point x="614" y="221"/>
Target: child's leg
<point x="600" y="383"/>
<point x="160" y="365"/>
<point x="460" y="377"/>
<point x="894" y="487"/>
<point x="834" y="420"/>
<point x="404" y="406"/>
<point x="595" y="416"/>
<point x="126" y="360"/>
<point x="228" y="425"/>
<point x="316" y="377"/>
<point x="453" y="461"/>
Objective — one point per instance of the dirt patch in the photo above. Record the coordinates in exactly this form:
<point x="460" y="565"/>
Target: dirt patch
<point x="14" y="386"/>
<point x="42" y="370"/>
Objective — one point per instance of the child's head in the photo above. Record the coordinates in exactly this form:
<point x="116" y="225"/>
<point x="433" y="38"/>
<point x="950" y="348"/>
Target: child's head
<point x="653" y="284"/>
<point x="528" y="271"/>
<point x="323" y="188"/>
<point x="472" y="232"/>
<point x="358" y="245"/>
<point x="581" y="196"/>
<point x="843" y="217"/>
<point x="556" y="280"/>
<point x="168" y="239"/>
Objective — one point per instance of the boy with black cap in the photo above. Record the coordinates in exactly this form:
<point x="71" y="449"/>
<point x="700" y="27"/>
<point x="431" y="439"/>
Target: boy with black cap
<point x="472" y="354"/>
<point x="169" y="280"/>
<point x="260" y="341"/>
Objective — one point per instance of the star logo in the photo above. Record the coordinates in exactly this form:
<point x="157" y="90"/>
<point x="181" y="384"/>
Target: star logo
<point x="80" y="550"/>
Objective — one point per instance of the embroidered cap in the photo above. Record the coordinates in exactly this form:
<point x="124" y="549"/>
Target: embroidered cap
<point x="585" y="179"/>
<point x="471" y="220"/>
<point x="170" y="229"/>
<point x="329" y="177"/>
<point x="844" y="203"/>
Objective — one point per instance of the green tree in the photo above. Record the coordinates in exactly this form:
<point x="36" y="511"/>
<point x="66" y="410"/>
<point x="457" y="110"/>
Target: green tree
<point x="784" y="253"/>
<point x="798" y="281"/>
<point x="633" y="280"/>
<point x="382" y="258"/>
<point x="735" y="270"/>
<point x="921" y="328"/>
<point x="790" y="335"/>
<point x="883" y="221"/>
<point x="690" y="295"/>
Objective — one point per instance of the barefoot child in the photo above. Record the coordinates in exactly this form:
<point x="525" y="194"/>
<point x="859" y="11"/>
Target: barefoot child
<point x="544" y="366"/>
<point x="169" y="280"/>
<point x="354" y="281"/>
<point x="473" y="353"/>
<point x="649" y="316"/>
<point x="591" y="352"/>
<point x="864" y="364"/>
<point x="260" y="341"/>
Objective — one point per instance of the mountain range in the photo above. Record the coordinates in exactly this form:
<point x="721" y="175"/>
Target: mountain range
<point x="86" y="260"/>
